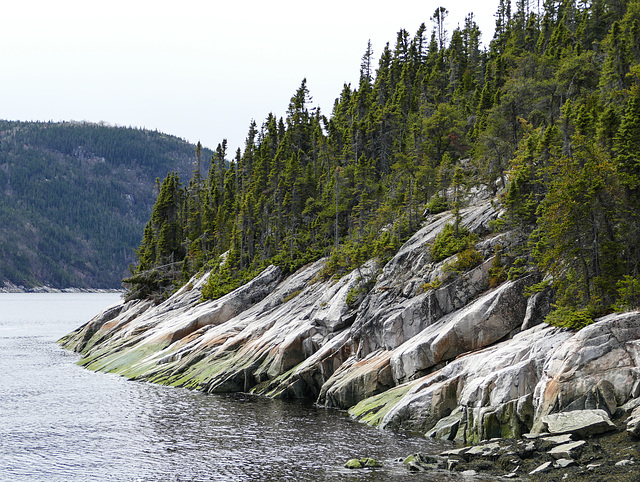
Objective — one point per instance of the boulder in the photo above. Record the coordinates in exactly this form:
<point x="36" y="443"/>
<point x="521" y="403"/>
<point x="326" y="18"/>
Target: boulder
<point x="557" y="439"/>
<point x="597" y="367"/>
<point x="484" y="450"/>
<point x="420" y="462"/>
<point x="362" y="463"/>
<point x="447" y="427"/>
<point x="583" y="423"/>
<point x="353" y="464"/>
<point x="569" y="450"/>
<point x="538" y="307"/>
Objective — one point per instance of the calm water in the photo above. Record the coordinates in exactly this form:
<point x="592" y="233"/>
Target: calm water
<point x="61" y="422"/>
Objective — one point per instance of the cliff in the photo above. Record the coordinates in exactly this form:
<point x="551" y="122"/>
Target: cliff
<point x="408" y="344"/>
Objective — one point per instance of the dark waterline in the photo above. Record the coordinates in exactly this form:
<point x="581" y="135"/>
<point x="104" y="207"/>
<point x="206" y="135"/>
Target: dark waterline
<point x="61" y="422"/>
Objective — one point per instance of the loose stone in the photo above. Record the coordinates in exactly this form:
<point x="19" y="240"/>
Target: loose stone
<point x="546" y="467"/>
<point x="567" y="451"/>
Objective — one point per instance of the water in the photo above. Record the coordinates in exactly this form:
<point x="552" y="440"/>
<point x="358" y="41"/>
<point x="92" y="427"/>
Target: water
<point x="60" y="422"/>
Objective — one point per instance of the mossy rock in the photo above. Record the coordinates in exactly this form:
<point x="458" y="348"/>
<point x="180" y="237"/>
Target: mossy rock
<point x="362" y="463"/>
<point x="354" y="464"/>
<point x="368" y="462"/>
<point x="373" y="409"/>
<point x="420" y="462"/>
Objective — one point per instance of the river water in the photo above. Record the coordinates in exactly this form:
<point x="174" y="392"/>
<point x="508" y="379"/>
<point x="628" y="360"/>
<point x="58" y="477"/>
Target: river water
<point x="60" y="422"/>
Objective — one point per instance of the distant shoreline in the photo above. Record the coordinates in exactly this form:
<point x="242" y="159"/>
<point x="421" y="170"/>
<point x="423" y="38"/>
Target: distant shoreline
<point x="10" y="288"/>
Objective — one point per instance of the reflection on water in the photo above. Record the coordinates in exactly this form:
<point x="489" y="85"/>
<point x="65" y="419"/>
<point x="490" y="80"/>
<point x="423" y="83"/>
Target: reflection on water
<point x="61" y="422"/>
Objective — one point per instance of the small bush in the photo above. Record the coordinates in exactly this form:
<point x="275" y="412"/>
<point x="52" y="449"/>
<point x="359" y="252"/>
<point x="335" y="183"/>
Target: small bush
<point x="566" y="317"/>
<point x="497" y="272"/>
<point x="438" y="204"/>
<point x="518" y="270"/>
<point x="448" y="242"/>
<point x="432" y="285"/>
<point x="628" y="294"/>
<point x="466" y="260"/>
<point x="537" y="288"/>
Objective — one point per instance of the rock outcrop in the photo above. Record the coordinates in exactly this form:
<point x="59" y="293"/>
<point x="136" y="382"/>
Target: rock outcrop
<point x="409" y="344"/>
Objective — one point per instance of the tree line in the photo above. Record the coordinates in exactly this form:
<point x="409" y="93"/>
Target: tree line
<point x="548" y="115"/>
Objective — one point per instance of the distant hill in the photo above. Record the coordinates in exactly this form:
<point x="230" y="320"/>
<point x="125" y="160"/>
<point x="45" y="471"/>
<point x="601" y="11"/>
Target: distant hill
<point x="74" y="199"/>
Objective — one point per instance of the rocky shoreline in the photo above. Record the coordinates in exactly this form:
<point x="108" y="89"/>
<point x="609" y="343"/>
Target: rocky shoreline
<point x="410" y="344"/>
<point x="586" y="446"/>
<point x="8" y="287"/>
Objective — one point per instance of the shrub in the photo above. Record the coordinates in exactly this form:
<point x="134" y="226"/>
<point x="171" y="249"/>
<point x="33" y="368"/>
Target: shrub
<point x="497" y="272"/>
<point x="518" y="270"/>
<point x="567" y="317"/>
<point x="628" y="294"/>
<point x="448" y="242"/>
<point x="466" y="260"/>
<point x="432" y="285"/>
<point x="537" y="288"/>
<point x="438" y="204"/>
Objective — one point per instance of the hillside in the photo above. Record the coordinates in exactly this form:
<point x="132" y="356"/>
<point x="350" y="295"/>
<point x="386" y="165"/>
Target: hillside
<point x="74" y="198"/>
<point x="548" y="116"/>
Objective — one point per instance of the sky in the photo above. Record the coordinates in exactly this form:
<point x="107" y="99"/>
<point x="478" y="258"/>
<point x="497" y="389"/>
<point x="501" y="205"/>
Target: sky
<point x="199" y="70"/>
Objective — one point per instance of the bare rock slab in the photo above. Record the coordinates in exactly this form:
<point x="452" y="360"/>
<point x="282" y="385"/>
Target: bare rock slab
<point x="546" y="467"/>
<point x="564" y="463"/>
<point x="558" y="439"/>
<point x="567" y="451"/>
<point x="583" y="423"/>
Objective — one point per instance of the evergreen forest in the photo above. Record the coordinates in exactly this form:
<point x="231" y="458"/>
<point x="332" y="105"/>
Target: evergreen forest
<point x="74" y="198"/>
<point x="546" y="117"/>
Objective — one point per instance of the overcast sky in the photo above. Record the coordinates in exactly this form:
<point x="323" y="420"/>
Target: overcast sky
<point x="200" y="70"/>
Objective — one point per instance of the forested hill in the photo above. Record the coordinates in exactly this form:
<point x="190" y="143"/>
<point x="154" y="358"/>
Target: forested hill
<point x="74" y="198"/>
<point x="550" y="111"/>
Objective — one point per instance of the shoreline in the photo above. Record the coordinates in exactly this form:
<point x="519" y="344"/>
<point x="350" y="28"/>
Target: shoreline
<point x="11" y="288"/>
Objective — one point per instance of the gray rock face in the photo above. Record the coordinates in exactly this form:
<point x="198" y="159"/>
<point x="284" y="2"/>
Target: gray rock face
<point x="598" y="367"/>
<point x="479" y="324"/>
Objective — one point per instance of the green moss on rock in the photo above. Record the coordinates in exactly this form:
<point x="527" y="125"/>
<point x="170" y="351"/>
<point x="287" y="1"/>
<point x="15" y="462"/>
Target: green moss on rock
<point x="373" y="409"/>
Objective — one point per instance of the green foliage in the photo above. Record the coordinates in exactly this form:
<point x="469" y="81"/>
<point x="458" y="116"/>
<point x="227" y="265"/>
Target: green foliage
<point x="566" y="317"/>
<point x="497" y="272"/>
<point x="466" y="260"/>
<point x="449" y="242"/>
<point x="432" y="285"/>
<point x="628" y="294"/>
<point x="357" y="294"/>
<point x="537" y="288"/>
<point x="438" y="204"/>
<point x="518" y="269"/>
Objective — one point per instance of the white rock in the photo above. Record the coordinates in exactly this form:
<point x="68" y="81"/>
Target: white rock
<point x="541" y="469"/>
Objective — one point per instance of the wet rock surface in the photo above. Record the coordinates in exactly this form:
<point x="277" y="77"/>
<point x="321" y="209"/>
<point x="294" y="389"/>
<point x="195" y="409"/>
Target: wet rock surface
<point x="611" y="456"/>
